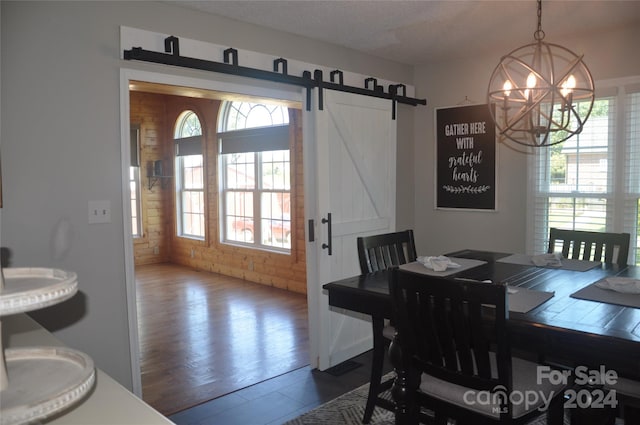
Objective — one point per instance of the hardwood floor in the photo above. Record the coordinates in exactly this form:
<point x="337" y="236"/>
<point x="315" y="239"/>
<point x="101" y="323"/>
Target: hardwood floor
<point x="204" y="335"/>
<point x="280" y="399"/>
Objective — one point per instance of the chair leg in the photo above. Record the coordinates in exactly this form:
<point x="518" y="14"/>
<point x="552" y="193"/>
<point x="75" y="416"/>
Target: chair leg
<point x="440" y="419"/>
<point x="555" y="412"/>
<point x="631" y="415"/>
<point x="377" y="364"/>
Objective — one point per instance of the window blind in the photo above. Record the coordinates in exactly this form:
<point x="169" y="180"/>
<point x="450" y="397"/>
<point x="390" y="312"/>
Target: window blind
<point x="260" y="139"/>
<point x="134" y="145"/>
<point x="632" y="182"/>
<point x="189" y="146"/>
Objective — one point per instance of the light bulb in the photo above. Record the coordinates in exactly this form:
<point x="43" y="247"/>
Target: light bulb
<point x="568" y="85"/>
<point x="531" y="83"/>
<point x="507" y="88"/>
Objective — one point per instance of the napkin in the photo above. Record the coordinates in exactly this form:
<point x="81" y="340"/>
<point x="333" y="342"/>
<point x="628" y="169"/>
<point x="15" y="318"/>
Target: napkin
<point x="438" y="264"/>
<point x="625" y="285"/>
<point x="547" y="260"/>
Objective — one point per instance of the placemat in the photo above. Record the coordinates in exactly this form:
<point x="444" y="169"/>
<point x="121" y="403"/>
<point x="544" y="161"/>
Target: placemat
<point x="593" y="293"/>
<point x="524" y="300"/>
<point x="465" y="264"/>
<point x="567" y="264"/>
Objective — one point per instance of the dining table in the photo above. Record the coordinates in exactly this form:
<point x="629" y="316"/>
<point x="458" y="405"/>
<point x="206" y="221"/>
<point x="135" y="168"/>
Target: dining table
<point x="553" y="314"/>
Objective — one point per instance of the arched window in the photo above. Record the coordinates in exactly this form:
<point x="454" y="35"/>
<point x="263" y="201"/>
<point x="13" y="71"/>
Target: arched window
<point x="243" y="115"/>
<point x="189" y="176"/>
<point x="255" y="175"/>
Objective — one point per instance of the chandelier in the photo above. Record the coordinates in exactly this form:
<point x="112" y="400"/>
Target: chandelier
<point x="540" y="94"/>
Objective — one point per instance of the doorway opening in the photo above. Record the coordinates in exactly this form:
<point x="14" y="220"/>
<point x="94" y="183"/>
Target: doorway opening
<point x="196" y="277"/>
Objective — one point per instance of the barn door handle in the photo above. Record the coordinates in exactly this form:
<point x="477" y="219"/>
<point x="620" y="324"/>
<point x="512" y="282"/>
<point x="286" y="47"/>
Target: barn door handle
<point x="328" y="222"/>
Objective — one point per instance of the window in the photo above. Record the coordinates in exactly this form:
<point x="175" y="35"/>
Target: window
<point x="134" y="182"/>
<point x="189" y="176"/>
<point x="134" y="188"/>
<point x="255" y="167"/>
<point x="592" y="180"/>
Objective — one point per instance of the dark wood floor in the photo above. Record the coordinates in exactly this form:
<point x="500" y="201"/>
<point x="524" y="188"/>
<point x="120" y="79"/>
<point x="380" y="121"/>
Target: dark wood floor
<point x="278" y="400"/>
<point x="203" y="335"/>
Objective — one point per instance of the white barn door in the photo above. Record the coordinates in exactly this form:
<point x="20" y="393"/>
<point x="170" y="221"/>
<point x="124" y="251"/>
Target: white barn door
<point x="353" y="156"/>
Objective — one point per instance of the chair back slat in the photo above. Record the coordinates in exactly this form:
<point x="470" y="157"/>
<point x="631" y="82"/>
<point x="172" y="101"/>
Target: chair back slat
<point x="480" y="341"/>
<point x="441" y="320"/>
<point x="464" y="345"/>
<point x="609" y="248"/>
<point x="380" y="252"/>
<point x="450" y="329"/>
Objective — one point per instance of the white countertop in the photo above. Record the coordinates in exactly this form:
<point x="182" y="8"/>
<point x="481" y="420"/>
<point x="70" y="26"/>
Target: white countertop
<point x="109" y="403"/>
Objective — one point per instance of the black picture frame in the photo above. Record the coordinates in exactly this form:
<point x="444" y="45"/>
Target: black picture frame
<point x="465" y="158"/>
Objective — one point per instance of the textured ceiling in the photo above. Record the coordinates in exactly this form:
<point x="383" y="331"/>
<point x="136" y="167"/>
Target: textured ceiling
<point x="419" y="32"/>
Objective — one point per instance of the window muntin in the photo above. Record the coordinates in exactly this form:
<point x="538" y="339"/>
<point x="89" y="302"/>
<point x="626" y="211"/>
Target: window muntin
<point x="591" y="181"/>
<point x="190" y="204"/>
<point x="255" y="176"/>
<point x="188" y="125"/>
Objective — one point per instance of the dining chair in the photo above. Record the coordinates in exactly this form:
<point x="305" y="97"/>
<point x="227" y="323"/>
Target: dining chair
<point x="609" y="248"/>
<point x="455" y="334"/>
<point x="380" y="252"/>
<point x="627" y="392"/>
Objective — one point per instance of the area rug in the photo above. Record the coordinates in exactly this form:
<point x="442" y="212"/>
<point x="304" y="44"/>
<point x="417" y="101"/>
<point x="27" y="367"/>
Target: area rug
<point x="349" y="408"/>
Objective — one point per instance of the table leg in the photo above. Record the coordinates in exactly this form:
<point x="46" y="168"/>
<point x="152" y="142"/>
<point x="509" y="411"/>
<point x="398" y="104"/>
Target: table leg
<point x="404" y="386"/>
<point x="377" y="364"/>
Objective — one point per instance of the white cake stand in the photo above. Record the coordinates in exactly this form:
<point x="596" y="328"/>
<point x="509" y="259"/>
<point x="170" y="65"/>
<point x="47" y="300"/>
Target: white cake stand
<point x="38" y="382"/>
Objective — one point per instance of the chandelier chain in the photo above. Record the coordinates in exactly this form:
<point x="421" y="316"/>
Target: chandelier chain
<point x="539" y="34"/>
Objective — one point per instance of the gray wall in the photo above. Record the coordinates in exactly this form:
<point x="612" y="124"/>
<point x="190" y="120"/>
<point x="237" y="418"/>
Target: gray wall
<point x="609" y="55"/>
<point x="61" y="144"/>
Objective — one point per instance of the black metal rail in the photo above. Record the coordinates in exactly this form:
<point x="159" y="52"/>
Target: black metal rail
<point x="396" y="93"/>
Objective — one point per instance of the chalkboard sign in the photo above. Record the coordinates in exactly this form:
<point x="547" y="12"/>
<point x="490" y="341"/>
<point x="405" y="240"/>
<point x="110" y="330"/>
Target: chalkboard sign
<point x="466" y="158"/>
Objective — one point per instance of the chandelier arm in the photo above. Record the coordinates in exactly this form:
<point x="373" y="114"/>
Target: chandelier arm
<point x="571" y="67"/>
<point x="519" y="117"/>
<point x="549" y="80"/>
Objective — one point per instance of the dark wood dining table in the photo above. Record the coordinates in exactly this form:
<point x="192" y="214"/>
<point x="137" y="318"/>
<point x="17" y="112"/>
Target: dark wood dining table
<point x="567" y="330"/>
